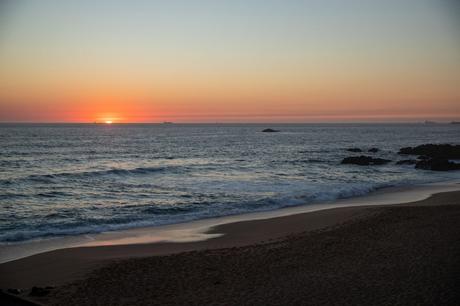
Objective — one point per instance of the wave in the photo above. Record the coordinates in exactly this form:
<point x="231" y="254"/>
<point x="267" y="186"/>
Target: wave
<point x="48" y="178"/>
<point x="300" y="161"/>
<point x="98" y="173"/>
<point x="53" y="194"/>
<point x="143" y="215"/>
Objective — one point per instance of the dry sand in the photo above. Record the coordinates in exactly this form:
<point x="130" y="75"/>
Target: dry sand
<point x="407" y="254"/>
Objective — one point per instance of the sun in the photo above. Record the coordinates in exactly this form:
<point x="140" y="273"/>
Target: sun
<point x="108" y="121"/>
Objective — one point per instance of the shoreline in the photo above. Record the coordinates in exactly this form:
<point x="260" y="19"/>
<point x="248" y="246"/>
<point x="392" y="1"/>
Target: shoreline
<point x="392" y="255"/>
<point x="368" y="245"/>
<point x="202" y="229"/>
<point x="64" y="265"/>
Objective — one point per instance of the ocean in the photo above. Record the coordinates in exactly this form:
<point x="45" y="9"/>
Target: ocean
<point x="70" y="179"/>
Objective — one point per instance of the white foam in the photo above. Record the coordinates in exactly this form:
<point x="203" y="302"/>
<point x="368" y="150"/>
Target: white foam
<point x="197" y="230"/>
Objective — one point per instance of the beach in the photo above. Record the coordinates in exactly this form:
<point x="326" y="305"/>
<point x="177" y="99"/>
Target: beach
<point x="403" y="254"/>
<point x="229" y="153"/>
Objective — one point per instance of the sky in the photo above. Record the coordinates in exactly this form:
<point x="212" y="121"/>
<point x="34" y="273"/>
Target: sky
<point x="229" y="61"/>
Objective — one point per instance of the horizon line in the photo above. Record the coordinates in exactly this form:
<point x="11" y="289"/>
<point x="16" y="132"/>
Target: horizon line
<point x="274" y="123"/>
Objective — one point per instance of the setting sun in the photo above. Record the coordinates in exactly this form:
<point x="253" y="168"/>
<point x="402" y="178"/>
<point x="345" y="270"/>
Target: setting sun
<point x="293" y="127"/>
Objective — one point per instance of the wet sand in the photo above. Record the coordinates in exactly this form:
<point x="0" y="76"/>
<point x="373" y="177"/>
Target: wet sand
<point x="380" y="255"/>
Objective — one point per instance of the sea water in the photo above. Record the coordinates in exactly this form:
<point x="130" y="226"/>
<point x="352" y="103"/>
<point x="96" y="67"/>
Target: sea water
<point x="70" y="179"/>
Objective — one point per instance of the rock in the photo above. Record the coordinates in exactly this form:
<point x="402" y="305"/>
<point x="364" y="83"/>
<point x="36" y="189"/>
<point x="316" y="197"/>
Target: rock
<point x="270" y="131"/>
<point x="14" y="291"/>
<point x="437" y="164"/>
<point x="364" y="160"/>
<point x="446" y="151"/>
<point x="39" y="291"/>
<point x="373" y="150"/>
<point x="354" y="150"/>
<point x="406" y="162"/>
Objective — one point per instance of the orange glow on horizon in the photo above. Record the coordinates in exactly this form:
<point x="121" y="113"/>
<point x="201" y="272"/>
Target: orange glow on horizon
<point x="288" y="62"/>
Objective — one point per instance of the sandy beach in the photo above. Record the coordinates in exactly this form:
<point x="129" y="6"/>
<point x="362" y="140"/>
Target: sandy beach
<point x="401" y="254"/>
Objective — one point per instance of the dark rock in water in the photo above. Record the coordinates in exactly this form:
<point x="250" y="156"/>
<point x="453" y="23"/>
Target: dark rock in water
<point x="270" y="131"/>
<point x="373" y="150"/>
<point x="437" y="164"/>
<point x="39" y="291"/>
<point x="446" y="151"/>
<point x="354" y="150"/>
<point x="406" y="162"/>
<point x="364" y="160"/>
<point x="14" y="291"/>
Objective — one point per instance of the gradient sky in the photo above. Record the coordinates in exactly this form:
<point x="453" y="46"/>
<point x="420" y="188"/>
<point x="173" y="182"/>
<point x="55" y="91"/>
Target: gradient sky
<point x="229" y="61"/>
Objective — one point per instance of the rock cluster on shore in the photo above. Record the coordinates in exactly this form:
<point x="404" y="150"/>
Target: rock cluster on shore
<point x="446" y="151"/>
<point x="437" y="164"/>
<point x="434" y="157"/>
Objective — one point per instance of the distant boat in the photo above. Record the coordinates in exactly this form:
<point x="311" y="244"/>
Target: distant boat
<point x="167" y="122"/>
<point x="455" y="122"/>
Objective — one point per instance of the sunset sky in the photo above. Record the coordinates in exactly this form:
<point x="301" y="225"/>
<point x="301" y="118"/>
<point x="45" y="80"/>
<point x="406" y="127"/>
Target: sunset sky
<point x="229" y="61"/>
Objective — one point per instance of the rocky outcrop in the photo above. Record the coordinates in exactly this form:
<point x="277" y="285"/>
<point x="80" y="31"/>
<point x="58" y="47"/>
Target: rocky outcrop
<point x="437" y="164"/>
<point x="446" y="151"/>
<point x="434" y="156"/>
<point x="270" y="131"/>
<point x="364" y="160"/>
